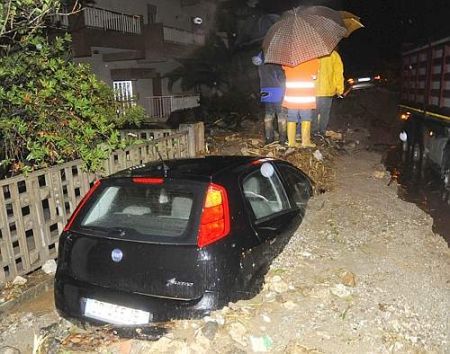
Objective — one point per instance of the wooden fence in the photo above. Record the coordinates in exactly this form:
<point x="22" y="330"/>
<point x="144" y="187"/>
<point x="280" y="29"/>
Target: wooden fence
<point x="34" y="209"/>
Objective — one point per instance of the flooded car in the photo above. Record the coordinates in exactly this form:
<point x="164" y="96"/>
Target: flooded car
<point x="176" y="239"/>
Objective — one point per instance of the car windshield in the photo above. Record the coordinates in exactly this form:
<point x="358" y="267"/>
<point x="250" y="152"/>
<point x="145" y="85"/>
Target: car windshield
<point x="140" y="209"/>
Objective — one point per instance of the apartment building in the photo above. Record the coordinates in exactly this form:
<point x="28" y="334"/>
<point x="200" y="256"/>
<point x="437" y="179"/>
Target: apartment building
<point x="132" y="44"/>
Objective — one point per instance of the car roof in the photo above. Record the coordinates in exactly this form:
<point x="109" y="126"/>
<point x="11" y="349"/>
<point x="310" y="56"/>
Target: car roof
<point x="205" y="167"/>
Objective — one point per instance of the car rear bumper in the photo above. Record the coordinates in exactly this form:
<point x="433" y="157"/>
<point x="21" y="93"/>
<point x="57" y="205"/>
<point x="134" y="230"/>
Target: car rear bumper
<point x="70" y="295"/>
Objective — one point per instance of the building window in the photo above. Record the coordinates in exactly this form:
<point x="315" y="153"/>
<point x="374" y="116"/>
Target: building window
<point x="123" y="91"/>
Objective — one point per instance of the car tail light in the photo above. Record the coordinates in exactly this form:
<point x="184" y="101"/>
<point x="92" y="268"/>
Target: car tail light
<point x="148" y="180"/>
<point x="215" y="219"/>
<point x="81" y="204"/>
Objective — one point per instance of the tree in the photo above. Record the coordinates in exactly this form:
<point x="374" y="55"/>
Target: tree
<point x="209" y="67"/>
<point x="51" y="109"/>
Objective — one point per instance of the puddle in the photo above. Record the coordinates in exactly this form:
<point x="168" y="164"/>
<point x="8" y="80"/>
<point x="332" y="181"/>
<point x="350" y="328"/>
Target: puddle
<point x="423" y="188"/>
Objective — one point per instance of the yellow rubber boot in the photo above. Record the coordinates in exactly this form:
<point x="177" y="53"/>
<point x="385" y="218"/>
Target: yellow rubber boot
<point x="291" y="132"/>
<point x="306" y="135"/>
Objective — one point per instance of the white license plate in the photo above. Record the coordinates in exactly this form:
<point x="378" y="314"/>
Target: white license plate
<point x="115" y="314"/>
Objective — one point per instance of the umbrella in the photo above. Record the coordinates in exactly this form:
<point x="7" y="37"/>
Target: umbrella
<point x="255" y="29"/>
<point x="351" y="22"/>
<point x="302" y="34"/>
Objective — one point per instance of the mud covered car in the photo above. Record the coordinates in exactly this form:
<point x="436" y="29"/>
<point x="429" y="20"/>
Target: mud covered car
<point x="176" y="239"/>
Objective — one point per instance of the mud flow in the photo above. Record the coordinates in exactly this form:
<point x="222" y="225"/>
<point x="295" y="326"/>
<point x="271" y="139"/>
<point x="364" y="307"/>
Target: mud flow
<point x="422" y="186"/>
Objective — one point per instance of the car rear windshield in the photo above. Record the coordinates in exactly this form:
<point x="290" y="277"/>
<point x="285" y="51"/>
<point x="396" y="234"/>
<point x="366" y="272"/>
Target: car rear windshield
<point x="134" y="209"/>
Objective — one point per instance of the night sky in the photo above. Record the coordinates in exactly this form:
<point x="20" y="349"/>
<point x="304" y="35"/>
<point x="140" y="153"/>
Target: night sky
<point x="390" y="27"/>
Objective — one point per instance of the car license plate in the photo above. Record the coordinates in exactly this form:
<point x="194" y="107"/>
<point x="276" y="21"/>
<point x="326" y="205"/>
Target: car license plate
<point x="115" y="314"/>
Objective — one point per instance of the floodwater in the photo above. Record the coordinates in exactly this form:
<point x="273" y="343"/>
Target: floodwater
<point x="421" y="186"/>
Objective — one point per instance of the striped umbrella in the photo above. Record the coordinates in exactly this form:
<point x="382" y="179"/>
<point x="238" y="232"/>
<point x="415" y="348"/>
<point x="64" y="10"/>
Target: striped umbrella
<point x="302" y="34"/>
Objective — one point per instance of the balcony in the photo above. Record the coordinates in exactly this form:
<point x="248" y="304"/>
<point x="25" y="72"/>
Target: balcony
<point x="111" y="21"/>
<point x="160" y="107"/>
<point x="95" y="27"/>
<point x="164" y="42"/>
<point x="179" y="36"/>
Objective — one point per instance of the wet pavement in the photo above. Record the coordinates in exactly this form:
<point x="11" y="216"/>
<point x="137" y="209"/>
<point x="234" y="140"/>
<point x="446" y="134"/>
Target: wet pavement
<point x="421" y="186"/>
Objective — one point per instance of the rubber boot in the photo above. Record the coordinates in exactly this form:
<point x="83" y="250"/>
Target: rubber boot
<point x="291" y="133"/>
<point x="306" y="135"/>
<point x="268" y="128"/>
<point x="282" y="129"/>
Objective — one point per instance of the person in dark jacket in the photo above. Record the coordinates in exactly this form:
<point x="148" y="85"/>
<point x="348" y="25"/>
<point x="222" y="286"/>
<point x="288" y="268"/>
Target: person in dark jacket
<point x="272" y="86"/>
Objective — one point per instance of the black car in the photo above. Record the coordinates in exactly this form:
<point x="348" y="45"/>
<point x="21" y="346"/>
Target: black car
<point x="176" y="239"/>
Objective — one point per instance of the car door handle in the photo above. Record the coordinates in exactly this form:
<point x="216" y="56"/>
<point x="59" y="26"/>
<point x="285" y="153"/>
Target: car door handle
<point x="269" y="228"/>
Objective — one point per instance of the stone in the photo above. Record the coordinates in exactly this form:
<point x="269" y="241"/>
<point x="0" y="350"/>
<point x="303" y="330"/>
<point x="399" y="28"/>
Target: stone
<point x="49" y="267"/>
<point x="341" y="291"/>
<point x="289" y="305"/>
<point x="348" y="279"/>
<point x="209" y="330"/>
<point x="9" y="350"/>
<point x="278" y="285"/>
<point x="260" y="344"/>
<point x="237" y="332"/>
<point x="379" y="174"/>
<point x="266" y="318"/>
<point x="318" y="155"/>
<point x="19" y="281"/>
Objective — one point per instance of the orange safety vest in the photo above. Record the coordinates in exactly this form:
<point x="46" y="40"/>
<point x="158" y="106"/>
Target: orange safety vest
<point x="300" y="85"/>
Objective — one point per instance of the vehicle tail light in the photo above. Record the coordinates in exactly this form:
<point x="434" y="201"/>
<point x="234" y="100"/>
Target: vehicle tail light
<point x="81" y="204"/>
<point x="148" y="180"/>
<point x="215" y="219"/>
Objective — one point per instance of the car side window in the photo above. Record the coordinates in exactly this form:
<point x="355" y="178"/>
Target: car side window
<point x="266" y="195"/>
<point x="299" y="185"/>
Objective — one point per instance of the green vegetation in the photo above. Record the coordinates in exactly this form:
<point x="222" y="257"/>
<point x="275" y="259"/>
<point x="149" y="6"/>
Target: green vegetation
<point x="51" y="109"/>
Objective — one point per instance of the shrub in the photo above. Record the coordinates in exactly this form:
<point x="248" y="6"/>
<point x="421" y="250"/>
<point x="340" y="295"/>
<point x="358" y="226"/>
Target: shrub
<point x="52" y="109"/>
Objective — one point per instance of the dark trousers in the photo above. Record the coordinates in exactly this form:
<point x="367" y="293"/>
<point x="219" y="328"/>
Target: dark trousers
<point x="322" y="117"/>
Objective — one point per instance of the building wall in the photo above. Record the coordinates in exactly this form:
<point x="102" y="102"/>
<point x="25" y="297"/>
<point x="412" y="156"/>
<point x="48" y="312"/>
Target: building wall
<point x="152" y="55"/>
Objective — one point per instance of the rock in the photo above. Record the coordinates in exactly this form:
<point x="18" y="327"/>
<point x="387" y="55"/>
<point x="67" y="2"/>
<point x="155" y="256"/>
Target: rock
<point x="236" y="350"/>
<point x="379" y="174"/>
<point x="297" y="348"/>
<point x="341" y="291"/>
<point x="201" y="344"/>
<point x="348" y="279"/>
<point x="333" y="135"/>
<point x="237" y="332"/>
<point x="19" y="280"/>
<point x="209" y="330"/>
<point x="49" y="267"/>
<point x="220" y="320"/>
<point x="266" y="318"/>
<point x="278" y="285"/>
<point x="289" y="305"/>
<point x="9" y="350"/>
<point x="261" y="344"/>
<point x="318" y="155"/>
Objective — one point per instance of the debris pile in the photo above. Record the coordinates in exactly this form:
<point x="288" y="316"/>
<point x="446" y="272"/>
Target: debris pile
<point x="317" y="163"/>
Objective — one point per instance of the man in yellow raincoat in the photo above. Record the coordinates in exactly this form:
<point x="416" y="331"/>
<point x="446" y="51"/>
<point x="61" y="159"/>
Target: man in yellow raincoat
<point x="330" y="83"/>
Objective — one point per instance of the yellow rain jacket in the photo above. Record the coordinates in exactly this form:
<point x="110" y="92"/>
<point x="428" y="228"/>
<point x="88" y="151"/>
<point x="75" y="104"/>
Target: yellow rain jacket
<point x="330" y="78"/>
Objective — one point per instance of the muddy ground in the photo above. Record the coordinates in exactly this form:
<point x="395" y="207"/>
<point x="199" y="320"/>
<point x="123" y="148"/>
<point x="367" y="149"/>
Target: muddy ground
<point x="364" y="273"/>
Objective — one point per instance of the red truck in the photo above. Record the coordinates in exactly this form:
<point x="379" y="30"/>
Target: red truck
<point x="425" y="107"/>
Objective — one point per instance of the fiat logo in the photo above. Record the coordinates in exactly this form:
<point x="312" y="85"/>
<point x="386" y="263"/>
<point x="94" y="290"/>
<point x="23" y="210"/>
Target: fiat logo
<point x="116" y="255"/>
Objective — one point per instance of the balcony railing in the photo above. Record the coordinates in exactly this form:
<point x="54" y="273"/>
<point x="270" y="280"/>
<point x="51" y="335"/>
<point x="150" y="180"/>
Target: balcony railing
<point x="161" y="106"/>
<point x="184" y="37"/>
<point x="112" y="21"/>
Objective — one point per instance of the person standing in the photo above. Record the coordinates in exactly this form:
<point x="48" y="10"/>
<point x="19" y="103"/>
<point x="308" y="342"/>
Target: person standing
<point x="330" y="83"/>
<point x="272" y="86"/>
<point x="300" y="100"/>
